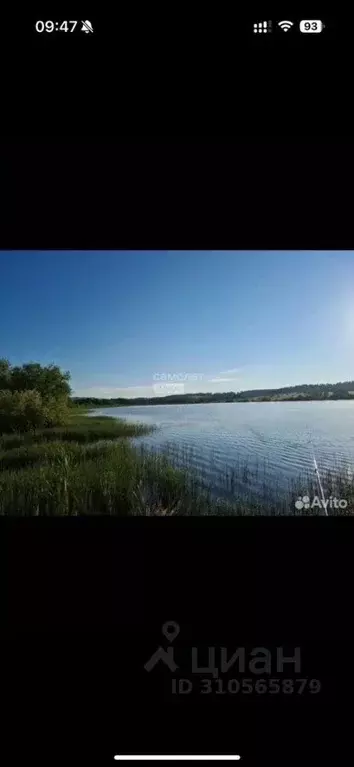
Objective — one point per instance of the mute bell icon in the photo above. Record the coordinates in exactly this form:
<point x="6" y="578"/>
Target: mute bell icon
<point x="86" y="27"/>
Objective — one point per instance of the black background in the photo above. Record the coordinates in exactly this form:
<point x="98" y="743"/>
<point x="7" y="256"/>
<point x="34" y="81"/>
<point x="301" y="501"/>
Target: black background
<point x="198" y="140"/>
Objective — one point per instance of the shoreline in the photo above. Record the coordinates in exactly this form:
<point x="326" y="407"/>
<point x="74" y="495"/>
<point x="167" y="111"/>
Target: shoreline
<point x="222" y="402"/>
<point x="89" y="467"/>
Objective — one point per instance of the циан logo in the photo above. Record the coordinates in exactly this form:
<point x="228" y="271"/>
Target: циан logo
<point x="170" y="630"/>
<point x="255" y="667"/>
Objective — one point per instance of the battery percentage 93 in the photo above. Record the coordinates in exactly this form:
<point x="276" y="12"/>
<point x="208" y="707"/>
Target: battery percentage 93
<point x="311" y="25"/>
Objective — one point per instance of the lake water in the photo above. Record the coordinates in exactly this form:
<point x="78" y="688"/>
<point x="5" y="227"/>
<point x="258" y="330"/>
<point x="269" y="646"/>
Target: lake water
<point x="279" y="437"/>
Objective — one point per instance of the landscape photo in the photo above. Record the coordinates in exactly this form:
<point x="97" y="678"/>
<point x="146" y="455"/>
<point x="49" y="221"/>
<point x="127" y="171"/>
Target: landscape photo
<point x="192" y="383"/>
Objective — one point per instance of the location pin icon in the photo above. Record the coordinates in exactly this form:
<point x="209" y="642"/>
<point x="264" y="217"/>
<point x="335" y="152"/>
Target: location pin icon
<point x="170" y="630"/>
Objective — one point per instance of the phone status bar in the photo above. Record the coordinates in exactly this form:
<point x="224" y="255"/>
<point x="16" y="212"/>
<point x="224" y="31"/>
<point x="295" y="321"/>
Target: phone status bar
<point x="288" y="27"/>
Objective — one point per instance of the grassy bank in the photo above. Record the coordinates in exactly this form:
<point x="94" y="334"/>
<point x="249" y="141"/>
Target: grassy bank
<point x="86" y="467"/>
<point x="90" y="467"/>
<point x="79" y="428"/>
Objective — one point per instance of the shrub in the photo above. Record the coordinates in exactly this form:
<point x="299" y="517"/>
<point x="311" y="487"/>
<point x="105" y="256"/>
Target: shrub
<point x="21" y="411"/>
<point x="56" y="411"/>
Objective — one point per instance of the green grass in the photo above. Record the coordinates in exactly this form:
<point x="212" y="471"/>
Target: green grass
<point x="115" y="479"/>
<point x="47" y="452"/>
<point x="80" y="428"/>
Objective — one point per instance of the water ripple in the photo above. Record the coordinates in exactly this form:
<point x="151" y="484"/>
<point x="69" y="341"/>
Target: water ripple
<point x="277" y="442"/>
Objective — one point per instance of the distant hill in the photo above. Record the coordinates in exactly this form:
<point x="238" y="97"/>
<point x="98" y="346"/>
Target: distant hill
<point x="322" y="391"/>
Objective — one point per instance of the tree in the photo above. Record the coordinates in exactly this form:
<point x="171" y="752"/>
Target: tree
<point x="49" y="381"/>
<point x="32" y="396"/>
<point x="5" y="374"/>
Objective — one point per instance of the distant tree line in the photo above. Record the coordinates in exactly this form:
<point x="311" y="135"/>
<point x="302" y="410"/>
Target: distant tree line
<point x="172" y="399"/>
<point x="343" y="390"/>
<point x="315" y="391"/>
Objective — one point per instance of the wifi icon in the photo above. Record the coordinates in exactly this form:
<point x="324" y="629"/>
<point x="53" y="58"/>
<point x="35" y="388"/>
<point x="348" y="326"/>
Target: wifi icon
<point x="285" y="25"/>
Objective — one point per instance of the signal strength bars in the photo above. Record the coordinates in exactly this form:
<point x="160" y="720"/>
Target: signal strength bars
<point x="262" y="27"/>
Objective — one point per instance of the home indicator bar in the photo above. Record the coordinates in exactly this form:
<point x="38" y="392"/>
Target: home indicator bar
<point x="177" y="758"/>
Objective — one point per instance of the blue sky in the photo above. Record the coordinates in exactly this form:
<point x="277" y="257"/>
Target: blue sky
<point x="123" y="321"/>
